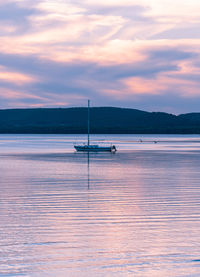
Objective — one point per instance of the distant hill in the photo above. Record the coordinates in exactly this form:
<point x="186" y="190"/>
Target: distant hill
<point x="103" y="120"/>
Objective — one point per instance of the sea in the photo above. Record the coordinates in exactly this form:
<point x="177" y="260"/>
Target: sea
<point x="135" y="212"/>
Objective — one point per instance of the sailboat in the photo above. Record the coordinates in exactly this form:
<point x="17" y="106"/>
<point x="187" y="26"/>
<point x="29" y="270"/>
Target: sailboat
<point x="93" y="147"/>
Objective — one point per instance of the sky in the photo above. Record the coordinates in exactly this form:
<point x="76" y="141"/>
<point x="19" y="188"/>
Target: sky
<point x="141" y="54"/>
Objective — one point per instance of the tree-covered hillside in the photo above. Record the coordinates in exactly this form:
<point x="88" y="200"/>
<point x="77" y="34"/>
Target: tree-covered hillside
<point x="103" y="120"/>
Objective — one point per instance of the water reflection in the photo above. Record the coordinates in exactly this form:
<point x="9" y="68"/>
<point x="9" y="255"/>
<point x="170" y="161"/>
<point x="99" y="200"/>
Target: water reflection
<point x="88" y="163"/>
<point x="134" y="213"/>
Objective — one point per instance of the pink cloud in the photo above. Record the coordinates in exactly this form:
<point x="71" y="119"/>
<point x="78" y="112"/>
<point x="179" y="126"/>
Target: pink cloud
<point x="17" y="94"/>
<point x="15" y="77"/>
<point x="107" y="48"/>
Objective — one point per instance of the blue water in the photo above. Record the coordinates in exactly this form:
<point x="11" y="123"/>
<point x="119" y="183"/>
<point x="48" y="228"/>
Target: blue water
<point x="133" y="213"/>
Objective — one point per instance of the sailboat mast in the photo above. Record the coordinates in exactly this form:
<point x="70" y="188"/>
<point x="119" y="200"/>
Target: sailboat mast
<point x="88" y="122"/>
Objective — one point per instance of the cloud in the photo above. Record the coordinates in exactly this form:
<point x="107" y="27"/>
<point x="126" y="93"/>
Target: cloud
<point x="15" y="77"/>
<point x="186" y="31"/>
<point x="57" y="53"/>
<point x="14" y="18"/>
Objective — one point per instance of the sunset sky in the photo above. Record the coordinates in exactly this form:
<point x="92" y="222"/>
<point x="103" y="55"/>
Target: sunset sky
<point x="142" y="54"/>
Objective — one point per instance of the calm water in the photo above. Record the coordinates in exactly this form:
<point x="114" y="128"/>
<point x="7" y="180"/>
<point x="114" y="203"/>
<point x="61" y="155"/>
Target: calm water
<point x="133" y="213"/>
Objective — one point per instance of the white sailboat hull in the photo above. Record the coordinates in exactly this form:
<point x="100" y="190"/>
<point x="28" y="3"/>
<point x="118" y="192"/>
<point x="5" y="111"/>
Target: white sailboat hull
<point x="95" y="148"/>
